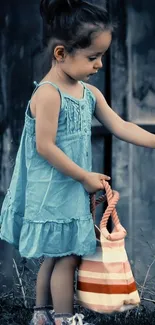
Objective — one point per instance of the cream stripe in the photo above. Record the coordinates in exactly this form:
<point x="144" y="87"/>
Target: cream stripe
<point x="96" y="275"/>
<point x="108" y="300"/>
<point x="108" y="256"/>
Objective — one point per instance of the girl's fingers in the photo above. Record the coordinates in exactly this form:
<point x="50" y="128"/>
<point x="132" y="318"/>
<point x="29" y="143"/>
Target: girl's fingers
<point x="106" y="178"/>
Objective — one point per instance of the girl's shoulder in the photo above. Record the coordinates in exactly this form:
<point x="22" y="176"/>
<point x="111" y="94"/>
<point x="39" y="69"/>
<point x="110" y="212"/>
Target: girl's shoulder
<point x="95" y="91"/>
<point x="45" y="95"/>
<point x="91" y="88"/>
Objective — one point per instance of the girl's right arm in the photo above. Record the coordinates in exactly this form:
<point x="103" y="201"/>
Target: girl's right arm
<point x="47" y="110"/>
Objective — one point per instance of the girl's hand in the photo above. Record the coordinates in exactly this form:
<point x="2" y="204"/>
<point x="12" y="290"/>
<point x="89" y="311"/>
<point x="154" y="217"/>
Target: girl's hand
<point x="93" y="182"/>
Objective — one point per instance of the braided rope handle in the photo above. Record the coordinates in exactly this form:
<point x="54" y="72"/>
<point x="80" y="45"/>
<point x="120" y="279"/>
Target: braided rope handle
<point x="112" y="198"/>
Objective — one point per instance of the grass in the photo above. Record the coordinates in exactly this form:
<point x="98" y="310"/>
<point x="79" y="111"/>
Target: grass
<point x="13" y="312"/>
<point x="16" y="305"/>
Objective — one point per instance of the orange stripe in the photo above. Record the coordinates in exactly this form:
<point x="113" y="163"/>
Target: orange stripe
<point x="105" y="281"/>
<point x="109" y="289"/>
<point x="101" y="267"/>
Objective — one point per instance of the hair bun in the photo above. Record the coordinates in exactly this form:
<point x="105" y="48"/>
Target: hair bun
<point x="74" y="2"/>
<point x="49" y="8"/>
<point x="45" y="10"/>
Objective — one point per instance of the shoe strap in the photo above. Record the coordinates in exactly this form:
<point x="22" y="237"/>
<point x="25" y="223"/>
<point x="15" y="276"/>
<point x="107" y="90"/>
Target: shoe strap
<point x="43" y="307"/>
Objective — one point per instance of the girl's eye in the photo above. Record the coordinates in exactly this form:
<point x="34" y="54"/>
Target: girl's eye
<point x="92" y="58"/>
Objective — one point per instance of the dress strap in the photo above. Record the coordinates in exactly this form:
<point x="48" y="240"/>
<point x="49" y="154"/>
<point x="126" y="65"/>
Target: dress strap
<point x="37" y="85"/>
<point x="83" y="84"/>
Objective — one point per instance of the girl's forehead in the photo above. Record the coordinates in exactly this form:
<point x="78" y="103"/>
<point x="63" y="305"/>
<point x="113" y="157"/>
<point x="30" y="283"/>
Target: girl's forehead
<point x="101" y="42"/>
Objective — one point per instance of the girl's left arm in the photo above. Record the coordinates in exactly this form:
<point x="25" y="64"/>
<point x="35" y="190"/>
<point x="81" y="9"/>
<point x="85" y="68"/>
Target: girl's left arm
<point x="123" y="130"/>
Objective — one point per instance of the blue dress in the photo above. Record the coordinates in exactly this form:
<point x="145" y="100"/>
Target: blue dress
<point x="46" y="213"/>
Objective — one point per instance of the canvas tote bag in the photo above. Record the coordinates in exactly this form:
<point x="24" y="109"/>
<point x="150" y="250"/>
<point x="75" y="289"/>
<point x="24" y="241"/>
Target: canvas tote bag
<point x="105" y="282"/>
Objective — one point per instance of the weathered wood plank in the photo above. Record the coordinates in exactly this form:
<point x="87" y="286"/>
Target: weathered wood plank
<point x="133" y="67"/>
<point x="16" y="73"/>
<point x="141" y="108"/>
<point x="141" y="61"/>
<point x="19" y="36"/>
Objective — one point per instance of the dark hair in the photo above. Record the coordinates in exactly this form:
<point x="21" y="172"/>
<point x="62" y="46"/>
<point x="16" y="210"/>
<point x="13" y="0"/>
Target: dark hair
<point x="73" y="22"/>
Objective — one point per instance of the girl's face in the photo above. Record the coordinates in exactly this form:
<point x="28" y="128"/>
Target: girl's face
<point x="86" y="62"/>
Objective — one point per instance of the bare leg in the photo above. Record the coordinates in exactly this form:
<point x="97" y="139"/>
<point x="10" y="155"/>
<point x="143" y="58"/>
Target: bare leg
<point x="62" y="284"/>
<point x="43" y="294"/>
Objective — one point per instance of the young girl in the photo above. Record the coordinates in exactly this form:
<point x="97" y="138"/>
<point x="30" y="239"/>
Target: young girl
<point x="46" y="211"/>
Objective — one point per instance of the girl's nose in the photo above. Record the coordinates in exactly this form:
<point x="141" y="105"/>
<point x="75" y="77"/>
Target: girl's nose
<point x="98" y="64"/>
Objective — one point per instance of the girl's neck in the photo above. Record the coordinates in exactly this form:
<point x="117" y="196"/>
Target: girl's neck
<point x="61" y="79"/>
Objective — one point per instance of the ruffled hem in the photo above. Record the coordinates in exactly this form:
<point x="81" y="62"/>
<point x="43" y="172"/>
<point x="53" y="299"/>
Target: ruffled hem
<point x="76" y="252"/>
<point x="51" y="239"/>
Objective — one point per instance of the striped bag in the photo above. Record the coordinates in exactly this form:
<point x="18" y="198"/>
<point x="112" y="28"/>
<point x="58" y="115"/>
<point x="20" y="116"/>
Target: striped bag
<point x="105" y="281"/>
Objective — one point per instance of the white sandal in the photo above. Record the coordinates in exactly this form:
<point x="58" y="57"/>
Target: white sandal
<point x="77" y="319"/>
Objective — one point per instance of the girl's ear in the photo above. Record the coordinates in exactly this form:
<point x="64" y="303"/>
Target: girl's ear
<point x="60" y="53"/>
